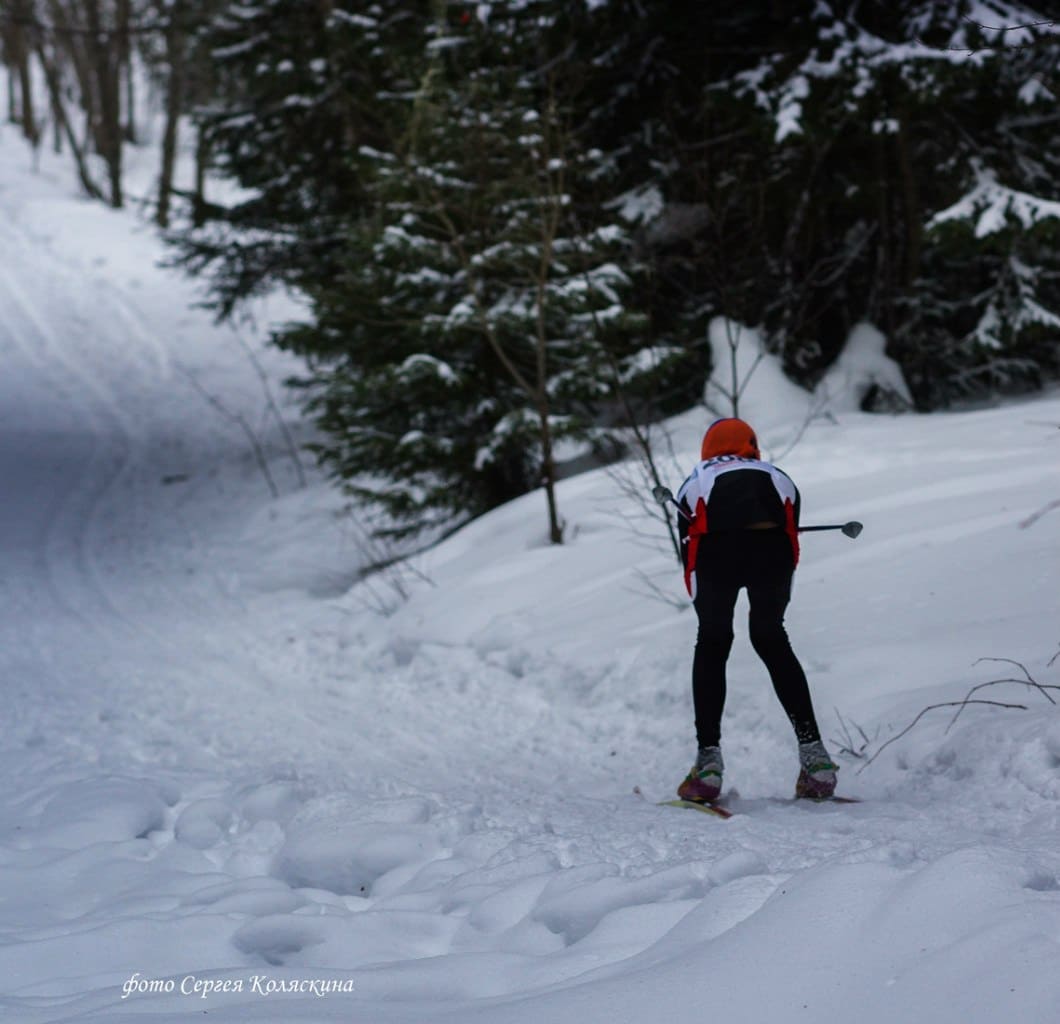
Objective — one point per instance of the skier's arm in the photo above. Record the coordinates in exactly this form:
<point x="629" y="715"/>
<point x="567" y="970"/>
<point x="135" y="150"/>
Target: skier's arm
<point x="683" y="519"/>
<point x="682" y="531"/>
<point x="797" y="504"/>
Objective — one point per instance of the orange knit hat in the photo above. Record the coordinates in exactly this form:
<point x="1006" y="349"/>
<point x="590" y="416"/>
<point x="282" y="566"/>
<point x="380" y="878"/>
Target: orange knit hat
<point x="729" y="437"/>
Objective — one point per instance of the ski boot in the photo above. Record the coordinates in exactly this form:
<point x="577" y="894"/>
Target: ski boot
<point x="702" y="785"/>
<point x="816" y="772"/>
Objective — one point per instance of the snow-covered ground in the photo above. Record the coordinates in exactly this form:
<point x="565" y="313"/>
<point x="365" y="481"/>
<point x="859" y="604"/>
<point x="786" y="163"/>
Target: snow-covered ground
<point x="235" y="789"/>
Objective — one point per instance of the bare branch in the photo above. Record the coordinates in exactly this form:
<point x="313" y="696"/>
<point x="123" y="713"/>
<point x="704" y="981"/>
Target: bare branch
<point x="960" y="705"/>
<point x="1032" y="519"/>
<point x="998" y="29"/>
<point x="848" y="744"/>
<point x="386" y="570"/>
<point x="934" y="707"/>
<point x="239" y="419"/>
<point x="994" y="682"/>
<point x="1043" y="23"/>
<point x="1007" y="661"/>
<point x="815" y="410"/>
<point x="274" y="409"/>
<point x="657" y="593"/>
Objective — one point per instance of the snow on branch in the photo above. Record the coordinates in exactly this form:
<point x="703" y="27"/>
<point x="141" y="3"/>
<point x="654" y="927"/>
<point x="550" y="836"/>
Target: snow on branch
<point x="991" y="204"/>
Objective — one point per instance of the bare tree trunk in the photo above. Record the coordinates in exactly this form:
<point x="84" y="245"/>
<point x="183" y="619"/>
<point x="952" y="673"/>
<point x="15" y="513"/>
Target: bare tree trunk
<point x="540" y="395"/>
<point x="12" y="92"/>
<point x="57" y="129"/>
<point x="18" y="55"/>
<point x="202" y="162"/>
<point x="68" y="50"/>
<point x="733" y="336"/>
<point x="30" y="129"/>
<point x="125" y="70"/>
<point x="103" y="53"/>
<point x="175" y="56"/>
<point x="550" y="224"/>
<point x="548" y="475"/>
<point x="70" y="44"/>
<point x="52" y="77"/>
<point x="911" y="202"/>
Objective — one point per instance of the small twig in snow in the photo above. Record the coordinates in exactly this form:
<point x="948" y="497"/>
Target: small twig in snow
<point x="848" y="743"/>
<point x="270" y="402"/>
<point x="240" y="419"/>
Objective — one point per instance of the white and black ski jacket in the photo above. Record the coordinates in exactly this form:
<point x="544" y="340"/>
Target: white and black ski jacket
<point x="731" y="492"/>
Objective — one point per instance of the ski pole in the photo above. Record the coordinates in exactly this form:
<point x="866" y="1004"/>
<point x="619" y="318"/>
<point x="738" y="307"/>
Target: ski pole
<point x="851" y="529"/>
<point x="664" y="496"/>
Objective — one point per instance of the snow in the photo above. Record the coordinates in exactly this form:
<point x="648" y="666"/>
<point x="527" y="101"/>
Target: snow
<point x="990" y="204"/>
<point x="789" y="113"/>
<point x="865" y="55"/>
<point x="743" y="367"/>
<point x="863" y="364"/>
<point x="640" y="205"/>
<point x="1034" y="91"/>
<point x="235" y="790"/>
<point x="422" y="362"/>
<point x="648" y="360"/>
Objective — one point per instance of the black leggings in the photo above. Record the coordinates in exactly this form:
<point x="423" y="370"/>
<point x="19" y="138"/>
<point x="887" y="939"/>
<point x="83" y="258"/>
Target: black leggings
<point x="761" y="561"/>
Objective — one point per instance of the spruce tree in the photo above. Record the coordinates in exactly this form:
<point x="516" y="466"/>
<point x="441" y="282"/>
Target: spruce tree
<point x="799" y="157"/>
<point x="295" y="97"/>
<point x="511" y="221"/>
<point x="478" y="322"/>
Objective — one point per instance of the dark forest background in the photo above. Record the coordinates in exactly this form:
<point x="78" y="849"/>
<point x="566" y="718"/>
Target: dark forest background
<point x="511" y="222"/>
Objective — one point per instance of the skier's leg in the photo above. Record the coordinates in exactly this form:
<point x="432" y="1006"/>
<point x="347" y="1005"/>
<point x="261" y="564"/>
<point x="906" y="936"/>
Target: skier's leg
<point x="768" y="600"/>
<point x="714" y="604"/>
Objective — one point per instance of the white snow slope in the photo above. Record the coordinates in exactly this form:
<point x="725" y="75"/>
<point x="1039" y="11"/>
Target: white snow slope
<point x="234" y="790"/>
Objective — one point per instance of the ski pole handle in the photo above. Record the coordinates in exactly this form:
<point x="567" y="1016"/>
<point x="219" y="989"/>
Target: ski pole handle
<point x="664" y="496"/>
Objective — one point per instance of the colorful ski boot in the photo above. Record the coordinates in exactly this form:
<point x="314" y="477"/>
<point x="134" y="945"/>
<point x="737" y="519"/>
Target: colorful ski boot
<point x="816" y="772"/>
<point x="702" y="785"/>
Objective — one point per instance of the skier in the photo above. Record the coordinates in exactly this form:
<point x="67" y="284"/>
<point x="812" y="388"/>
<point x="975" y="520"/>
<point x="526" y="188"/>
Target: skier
<point x="739" y="528"/>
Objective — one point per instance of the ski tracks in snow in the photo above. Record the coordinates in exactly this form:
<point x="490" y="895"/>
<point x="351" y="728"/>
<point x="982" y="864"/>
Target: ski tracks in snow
<point x="110" y="566"/>
<point x="94" y="447"/>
